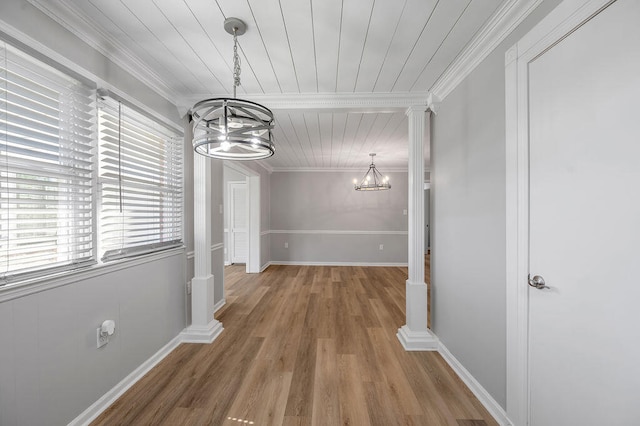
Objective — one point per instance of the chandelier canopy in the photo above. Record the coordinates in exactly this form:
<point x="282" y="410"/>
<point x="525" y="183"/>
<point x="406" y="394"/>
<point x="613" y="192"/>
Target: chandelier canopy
<point x="230" y="128"/>
<point x="372" y="180"/>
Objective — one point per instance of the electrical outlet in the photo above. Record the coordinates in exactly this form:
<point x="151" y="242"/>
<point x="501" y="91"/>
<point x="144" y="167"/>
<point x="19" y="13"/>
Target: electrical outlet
<point x="404" y="212"/>
<point x="102" y="339"/>
<point x="286" y="245"/>
<point x="381" y="246"/>
<point x="189" y="287"/>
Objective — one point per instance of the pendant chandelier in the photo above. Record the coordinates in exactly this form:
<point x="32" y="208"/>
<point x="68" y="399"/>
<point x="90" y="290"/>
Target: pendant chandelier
<point x="233" y="129"/>
<point x="372" y="180"/>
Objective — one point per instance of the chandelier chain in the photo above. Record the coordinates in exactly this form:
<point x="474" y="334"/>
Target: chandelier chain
<point x="236" y="63"/>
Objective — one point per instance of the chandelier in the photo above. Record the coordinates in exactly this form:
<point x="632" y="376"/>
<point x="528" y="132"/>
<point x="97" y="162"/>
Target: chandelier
<point x="372" y="180"/>
<point x="233" y="129"/>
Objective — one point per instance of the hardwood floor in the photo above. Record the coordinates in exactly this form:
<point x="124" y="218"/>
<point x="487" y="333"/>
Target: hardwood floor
<point x="303" y="346"/>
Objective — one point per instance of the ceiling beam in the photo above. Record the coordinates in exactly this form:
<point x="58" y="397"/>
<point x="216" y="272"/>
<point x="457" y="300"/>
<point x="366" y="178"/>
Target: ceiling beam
<point x="332" y="102"/>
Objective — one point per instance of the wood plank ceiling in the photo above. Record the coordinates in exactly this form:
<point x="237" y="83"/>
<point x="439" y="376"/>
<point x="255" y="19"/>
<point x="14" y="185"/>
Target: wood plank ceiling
<point x="290" y="47"/>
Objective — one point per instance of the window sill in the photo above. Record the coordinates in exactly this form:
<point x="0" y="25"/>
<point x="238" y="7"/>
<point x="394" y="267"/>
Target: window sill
<point x="48" y="282"/>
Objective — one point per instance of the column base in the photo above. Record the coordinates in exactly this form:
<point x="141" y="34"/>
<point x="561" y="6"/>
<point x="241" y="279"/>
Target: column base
<point x="417" y="340"/>
<point x="202" y="334"/>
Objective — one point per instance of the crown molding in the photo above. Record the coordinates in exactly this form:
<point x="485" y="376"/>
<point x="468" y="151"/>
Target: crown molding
<point x="433" y="103"/>
<point x="333" y="169"/>
<point x="508" y="16"/>
<point x="65" y="14"/>
<point x="389" y="102"/>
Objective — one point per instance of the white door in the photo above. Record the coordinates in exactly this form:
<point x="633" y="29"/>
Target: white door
<point x="238" y="235"/>
<point x="584" y="224"/>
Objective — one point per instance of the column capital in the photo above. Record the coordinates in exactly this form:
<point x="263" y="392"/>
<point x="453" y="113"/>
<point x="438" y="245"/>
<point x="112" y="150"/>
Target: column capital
<point x="416" y="109"/>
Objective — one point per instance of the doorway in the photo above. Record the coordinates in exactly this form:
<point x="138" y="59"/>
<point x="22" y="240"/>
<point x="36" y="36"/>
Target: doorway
<point x="237" y="240"/>
<point x="242" y="216"/>
<point x="572" y="221"/>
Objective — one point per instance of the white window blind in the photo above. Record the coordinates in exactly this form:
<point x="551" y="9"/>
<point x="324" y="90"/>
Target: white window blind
<point x="47" y="124"/>
<point x="140" y="181"/>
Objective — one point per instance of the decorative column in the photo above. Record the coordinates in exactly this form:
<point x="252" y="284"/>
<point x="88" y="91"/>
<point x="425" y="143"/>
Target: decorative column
<point x="204" y="327"/>
<point x="415" y="336"/>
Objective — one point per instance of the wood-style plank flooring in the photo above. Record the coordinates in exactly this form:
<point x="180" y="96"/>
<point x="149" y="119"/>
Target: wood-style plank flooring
<point x="303" y="346"/>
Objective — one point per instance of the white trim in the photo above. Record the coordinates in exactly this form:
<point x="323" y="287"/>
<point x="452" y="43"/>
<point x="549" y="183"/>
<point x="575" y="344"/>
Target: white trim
<point x="265" y="266"/>
<point x="335" y="169"/>
<point x="95" y="409"/>
<point x="202" y="334"/>
<point x="253" y="196"/>
<point x="569" y="15"/>
<point x="303" y="263"/>
<point x="335" y="232"/>
<point x="516" y="298"/>
<point x="510" y="14"/>
<point x="36" y="285"/>
<point x="417" y="340"/>
<point x="90" y="33"/>
<point x="253" y="181"/>
<point x="191" y="254"/>
<point x="219" y="305"/>
<point x="227" y="263"/>
<point x="337" y="102"/>
<point x="58" y="58"/>
<point x="263" y="233"/>
<point x="217" y="246"/>
<point x="480" y="392"/>
<point x="433" y="102"/>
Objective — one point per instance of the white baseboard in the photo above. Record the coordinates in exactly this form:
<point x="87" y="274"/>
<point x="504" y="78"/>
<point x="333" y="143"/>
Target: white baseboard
<point x="481" y="393"/>
<point x="203" y="333"/>
<point x="219" y="305"/>
<point x="417" y="341"/>
<point x="296" y="263"/>
<point x="265" y="266"/>
<point x="91" y="413"/>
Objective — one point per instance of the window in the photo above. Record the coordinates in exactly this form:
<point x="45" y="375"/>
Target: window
<point x="140" y="182"/>
<point x="47" y="124"/>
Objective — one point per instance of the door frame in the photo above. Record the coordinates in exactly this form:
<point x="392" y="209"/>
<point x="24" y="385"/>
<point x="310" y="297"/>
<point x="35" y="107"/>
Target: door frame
<point x="230" y="211"/>
<point x="253" y="209"/>
<point x="561" y="22"/>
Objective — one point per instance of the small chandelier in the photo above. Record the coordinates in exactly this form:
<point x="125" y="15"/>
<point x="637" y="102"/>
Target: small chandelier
<point x="372" y="180"/>
<point x="233" y="129"/>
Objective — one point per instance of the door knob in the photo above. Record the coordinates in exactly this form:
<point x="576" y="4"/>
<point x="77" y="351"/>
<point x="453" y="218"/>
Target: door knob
<point x="537" y="281"/>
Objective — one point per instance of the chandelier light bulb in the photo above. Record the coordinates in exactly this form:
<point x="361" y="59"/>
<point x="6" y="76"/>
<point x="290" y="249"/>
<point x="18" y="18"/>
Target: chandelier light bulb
<point x="225" y="145"/>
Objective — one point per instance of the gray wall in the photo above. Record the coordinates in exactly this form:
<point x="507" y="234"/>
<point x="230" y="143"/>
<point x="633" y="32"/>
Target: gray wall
<point x="50" y="368"/>
<point x="321" y="202"/>
<point x="468" y="218"/>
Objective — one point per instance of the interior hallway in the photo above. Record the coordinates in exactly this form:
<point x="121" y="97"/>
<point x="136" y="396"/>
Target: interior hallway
<point x="304" y="345"/>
